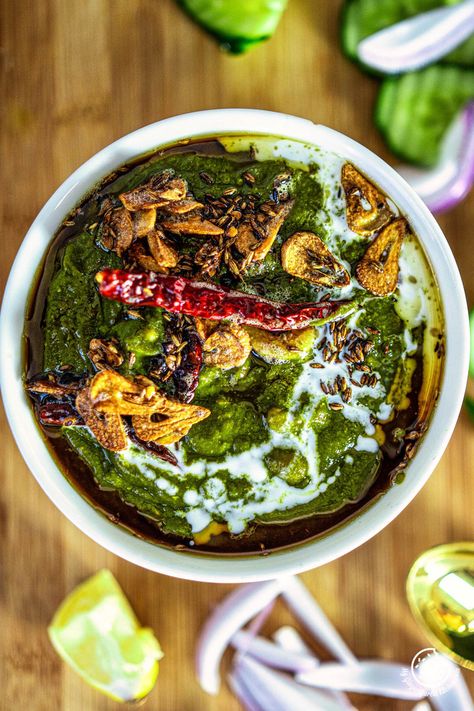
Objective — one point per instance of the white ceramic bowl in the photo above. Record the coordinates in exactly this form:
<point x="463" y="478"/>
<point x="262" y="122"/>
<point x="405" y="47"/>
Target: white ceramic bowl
<point x="211" y="568"/>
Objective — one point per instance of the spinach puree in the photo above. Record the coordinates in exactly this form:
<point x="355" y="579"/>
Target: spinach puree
<point x="278" y="445"/>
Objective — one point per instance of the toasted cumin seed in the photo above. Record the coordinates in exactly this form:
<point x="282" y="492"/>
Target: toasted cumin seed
<point x="206" y="178"/>
<point x="229" y="191"/>
<point x="316" y="365"/>
<point x="359" y="352"/>
<point x="234" y="267"/>
<point x="347" y="394"/>
<point x="324" y="387"/>
<point x="372" y="330"/>
<point x="336" y="406"/>
<point x="248" y="177"/>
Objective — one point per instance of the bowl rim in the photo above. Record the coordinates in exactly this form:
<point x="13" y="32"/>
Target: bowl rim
<point x="212" y="568"/>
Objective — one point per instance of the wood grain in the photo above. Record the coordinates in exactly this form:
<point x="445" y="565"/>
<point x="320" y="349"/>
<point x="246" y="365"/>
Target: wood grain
<point x="75" y="76"/>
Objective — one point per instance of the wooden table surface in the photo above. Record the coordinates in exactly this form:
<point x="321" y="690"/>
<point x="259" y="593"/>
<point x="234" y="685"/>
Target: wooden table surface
<point x="76" y="75"/>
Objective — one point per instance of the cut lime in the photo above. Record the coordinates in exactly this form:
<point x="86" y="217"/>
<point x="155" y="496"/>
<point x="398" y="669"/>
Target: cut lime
<point x="237" y="24"/>
<point x="97" y="633"/>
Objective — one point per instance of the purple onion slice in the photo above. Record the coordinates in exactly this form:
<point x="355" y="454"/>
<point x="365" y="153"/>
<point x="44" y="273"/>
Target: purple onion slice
<point x="448" y="183"/>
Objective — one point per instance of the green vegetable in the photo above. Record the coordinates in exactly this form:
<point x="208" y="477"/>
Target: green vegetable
<point x="469" y="405"/>
<point x="362" y="18"/>
<point x="237" y="24"/>
<point x="75" y="312"/>
<point x="232" y="428"/>
<point x="414" y="111"/>
<point x="289" y="465"/>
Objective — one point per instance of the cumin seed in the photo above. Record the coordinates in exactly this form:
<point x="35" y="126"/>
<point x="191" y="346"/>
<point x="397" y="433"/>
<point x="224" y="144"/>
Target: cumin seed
<point x="206" y="178"/>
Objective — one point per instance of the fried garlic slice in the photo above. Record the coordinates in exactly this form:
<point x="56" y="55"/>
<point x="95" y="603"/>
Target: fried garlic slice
<point x="227" y="347"/>
<point x="107" y="427"/>
<point x="111" y="392"/>
<point x="305" y="255"/>
<point x="48" y="384"/>
<point x="164" y="255"/>
<point x="154" y="416"/>
<point x="204" y="327"/>
<point x="366" y="207"/>
<point x="104" y="353"/>
<point x="271" y="228"/>
<point x="172" y="428"/>
<point x="144" y="221"/>
<point x="157" y="192"/>
<point x="281" y="347"/>
<point x="194" y="225"/>
<point x="117" y="230"/>
<point x="137" y="255"/>
<point x="377" y="271"/>
<point x="181" y="207"/>
<point x="246" y="240"/>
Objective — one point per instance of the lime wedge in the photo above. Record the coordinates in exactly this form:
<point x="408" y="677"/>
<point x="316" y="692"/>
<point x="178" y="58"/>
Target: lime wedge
<point x="237" y="24"/>
<point x="97" y="633"/>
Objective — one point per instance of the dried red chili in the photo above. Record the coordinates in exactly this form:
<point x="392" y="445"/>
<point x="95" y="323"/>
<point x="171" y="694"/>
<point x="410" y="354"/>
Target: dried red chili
<point x="186" y="376"/>
<point x="181" y="295"/>
<point x="159" y="450"/>
<point x="59" y="414"/>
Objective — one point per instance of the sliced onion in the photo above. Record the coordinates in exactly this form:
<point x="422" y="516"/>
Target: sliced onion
<point x="288" y="638"/>
<point x="306" y="609"/>
<point x="367" y="677"/>
<point x="273" y="691"/>
<point x="228" y="617"/>
<point x="242" y="691"/>
<point x="418" y="41"/>
<point x="255" y="625"/>
<point x="271" y="654"/>
<point x="445" y="185"/>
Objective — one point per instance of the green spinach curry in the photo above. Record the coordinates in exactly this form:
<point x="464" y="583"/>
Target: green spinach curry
<point x="230" y="351"/>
